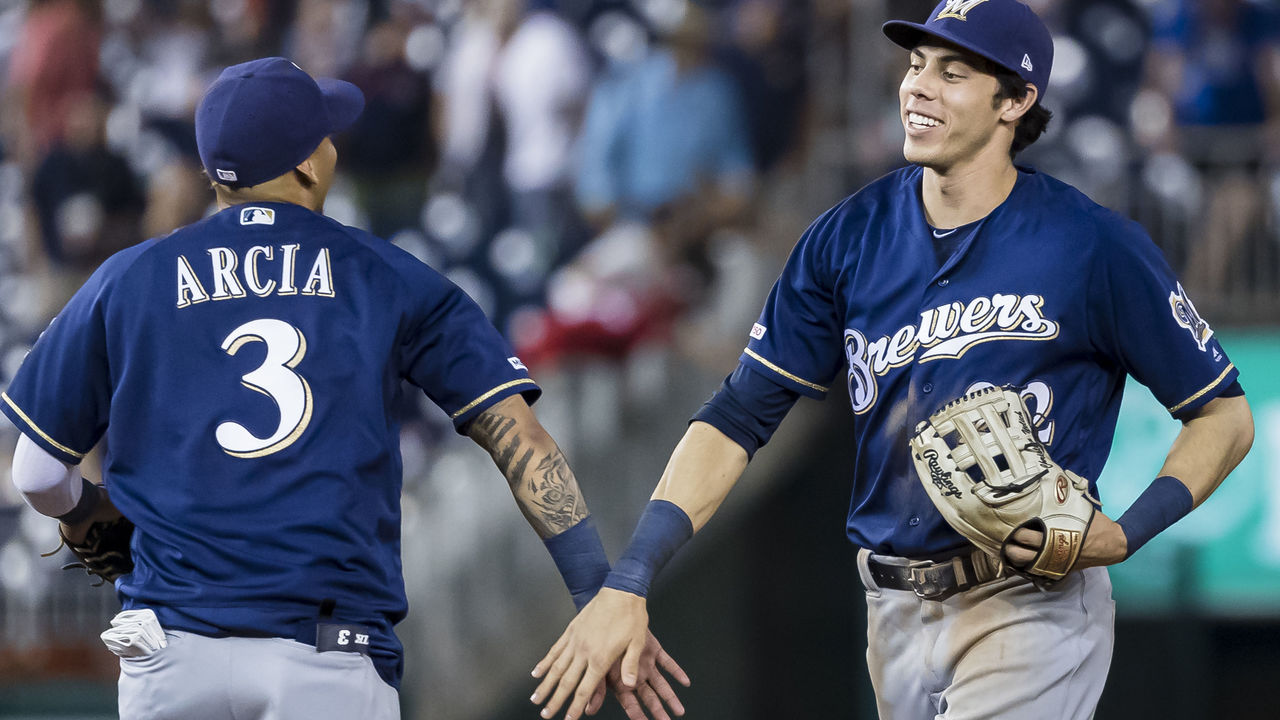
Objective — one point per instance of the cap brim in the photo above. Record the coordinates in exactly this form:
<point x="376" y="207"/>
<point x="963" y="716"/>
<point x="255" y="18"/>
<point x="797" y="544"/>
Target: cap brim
<point x="343" y="101"/>
<point x="909" y="35"/>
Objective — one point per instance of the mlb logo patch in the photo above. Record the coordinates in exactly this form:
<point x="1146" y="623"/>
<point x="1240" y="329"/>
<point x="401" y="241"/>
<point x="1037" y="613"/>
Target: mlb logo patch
<point x="228" y="175"/>
<point x="515" y="363"/>
<point x="257" y="216"/>
<point x="758" y="331"/>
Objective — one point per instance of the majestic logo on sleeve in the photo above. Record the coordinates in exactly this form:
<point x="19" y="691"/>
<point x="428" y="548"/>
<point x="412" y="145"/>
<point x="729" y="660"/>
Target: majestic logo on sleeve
<point x="1185" y="314"/>
<point x="947" y="331"/>
<point x="958" y="9"/>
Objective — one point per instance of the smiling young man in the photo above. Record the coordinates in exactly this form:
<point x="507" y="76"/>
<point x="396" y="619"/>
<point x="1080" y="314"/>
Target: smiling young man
<point x="959" y="272"/>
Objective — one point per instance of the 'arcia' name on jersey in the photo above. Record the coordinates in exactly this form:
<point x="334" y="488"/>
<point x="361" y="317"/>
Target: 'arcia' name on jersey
<point x="263" y="270"/>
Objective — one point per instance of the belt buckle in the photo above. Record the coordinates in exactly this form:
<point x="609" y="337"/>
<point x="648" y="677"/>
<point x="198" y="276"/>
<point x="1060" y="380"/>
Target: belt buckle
<point x="925" y="588"/>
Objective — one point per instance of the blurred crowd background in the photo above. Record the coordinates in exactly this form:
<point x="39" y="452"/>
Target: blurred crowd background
<point x="617" y="183"/>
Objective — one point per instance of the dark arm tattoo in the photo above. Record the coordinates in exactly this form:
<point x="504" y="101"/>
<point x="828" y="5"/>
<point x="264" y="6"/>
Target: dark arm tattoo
<point x="548" y="495"/>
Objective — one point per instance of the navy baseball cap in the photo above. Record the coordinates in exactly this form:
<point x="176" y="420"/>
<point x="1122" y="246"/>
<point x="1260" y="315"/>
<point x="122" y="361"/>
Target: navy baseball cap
<point x="1006" y="32"/>
<point x="262" y="118"/>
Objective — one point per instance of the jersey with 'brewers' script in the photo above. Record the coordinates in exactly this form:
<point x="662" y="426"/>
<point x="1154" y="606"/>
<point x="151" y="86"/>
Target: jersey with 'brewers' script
<point x="244" y="370"/>
<point x="1050" y="292"/>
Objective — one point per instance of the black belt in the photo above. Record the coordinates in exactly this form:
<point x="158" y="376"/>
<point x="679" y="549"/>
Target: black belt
<point x="935" y="580"/>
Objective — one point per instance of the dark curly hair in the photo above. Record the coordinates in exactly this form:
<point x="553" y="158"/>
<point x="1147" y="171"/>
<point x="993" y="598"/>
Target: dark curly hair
<point x="1032" y="124"/>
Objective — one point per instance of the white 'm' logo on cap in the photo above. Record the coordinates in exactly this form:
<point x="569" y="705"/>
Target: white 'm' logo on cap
<point x="958" y="9"/>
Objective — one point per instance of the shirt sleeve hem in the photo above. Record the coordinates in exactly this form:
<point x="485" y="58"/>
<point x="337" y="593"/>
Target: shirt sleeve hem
<point x="1206" y="393"/>
<point x="784" y="377"/>
<point x="523" y="386"/>
<point x="38" y="436"/>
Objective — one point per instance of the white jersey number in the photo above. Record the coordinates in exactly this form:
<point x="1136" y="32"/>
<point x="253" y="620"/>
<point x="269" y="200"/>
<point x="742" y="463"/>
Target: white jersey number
<point x="274" y="378"/>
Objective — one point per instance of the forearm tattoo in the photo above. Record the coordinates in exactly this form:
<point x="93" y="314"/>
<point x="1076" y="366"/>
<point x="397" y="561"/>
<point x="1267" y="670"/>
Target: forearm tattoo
<point x="548" y="493"/>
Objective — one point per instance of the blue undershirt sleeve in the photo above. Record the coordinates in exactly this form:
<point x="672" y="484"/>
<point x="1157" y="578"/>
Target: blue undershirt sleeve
<point x="747" y="408"/>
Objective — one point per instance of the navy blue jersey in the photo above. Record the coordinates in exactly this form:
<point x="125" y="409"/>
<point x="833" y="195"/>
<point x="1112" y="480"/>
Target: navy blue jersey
<point x="244" y="370"/>
<point x="1050" y="292"/>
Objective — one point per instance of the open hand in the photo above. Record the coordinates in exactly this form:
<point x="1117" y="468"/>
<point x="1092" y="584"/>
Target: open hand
<point x="610" y="637"/>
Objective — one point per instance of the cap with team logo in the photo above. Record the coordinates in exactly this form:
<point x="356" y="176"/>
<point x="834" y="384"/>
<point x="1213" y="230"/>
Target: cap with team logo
<point x="1006" y="32"/>
<point x="264" y="117"/>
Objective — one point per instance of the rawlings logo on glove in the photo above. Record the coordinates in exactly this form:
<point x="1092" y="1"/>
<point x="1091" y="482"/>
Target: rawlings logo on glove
<point x="987" y="473"/>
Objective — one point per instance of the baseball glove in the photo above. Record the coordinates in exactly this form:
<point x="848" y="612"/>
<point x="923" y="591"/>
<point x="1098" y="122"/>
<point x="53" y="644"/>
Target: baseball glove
<point x="988" y="474"/>
<point x="105" y="551"/>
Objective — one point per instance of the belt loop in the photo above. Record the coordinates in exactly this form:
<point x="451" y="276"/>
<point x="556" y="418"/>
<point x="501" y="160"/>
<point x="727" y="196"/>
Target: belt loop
<point x="963" y="581"/>
<point x="865" y="574"/>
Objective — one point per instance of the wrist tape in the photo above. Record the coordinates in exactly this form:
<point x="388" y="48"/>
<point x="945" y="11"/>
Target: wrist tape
<point x="579" y="556"/>
<point x="662" y="529"/>
<point x="90" y="497"/>
<point x="1165" y="501"/>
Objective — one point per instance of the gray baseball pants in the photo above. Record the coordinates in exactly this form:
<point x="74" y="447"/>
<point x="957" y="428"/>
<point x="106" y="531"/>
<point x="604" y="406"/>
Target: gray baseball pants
<point x="1005" y="649"/>
<point x="203" y="678"/>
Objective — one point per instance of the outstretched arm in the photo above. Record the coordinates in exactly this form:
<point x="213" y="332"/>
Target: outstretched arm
<point x="525" y="453"/>
<point x="550" y="499"/>
<point x="702" y="470"/>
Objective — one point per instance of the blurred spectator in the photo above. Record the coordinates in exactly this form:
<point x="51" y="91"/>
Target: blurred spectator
<point x="389" y="151"/>
<point x="510" y="97"/>
<point x="88" y="203"/>
<point x="766" y="57"/>
<point x="54" y="63"/>
<point x="157" y="57"/>
<point x="665" y="162"/>
<point x="667" y="139"/>
<point x="541" y="79"/>
<point x="1098" y="55"/>
<point x="1214" y="70"/>
<point x="471" y="134"/>
<point x="326" y="35"/>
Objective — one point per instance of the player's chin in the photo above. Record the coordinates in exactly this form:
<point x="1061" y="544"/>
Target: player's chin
<point x="918" y="153"/>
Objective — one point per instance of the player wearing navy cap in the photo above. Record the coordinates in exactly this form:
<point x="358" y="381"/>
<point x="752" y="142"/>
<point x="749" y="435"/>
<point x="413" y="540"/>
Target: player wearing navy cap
<point x="243" y="370"/>
<point x="956" y="273"/>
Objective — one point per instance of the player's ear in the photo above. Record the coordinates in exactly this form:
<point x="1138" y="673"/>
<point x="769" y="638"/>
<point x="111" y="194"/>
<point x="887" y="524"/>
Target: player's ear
<point x="306" y="174"/>
<point x="1015" y="108"/>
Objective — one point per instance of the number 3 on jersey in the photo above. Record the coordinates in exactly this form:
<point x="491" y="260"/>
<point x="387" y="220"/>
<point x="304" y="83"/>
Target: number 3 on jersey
<point x="274" y="378"/>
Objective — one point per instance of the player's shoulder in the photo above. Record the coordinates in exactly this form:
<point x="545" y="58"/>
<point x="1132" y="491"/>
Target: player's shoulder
<point x="889" y="191"/>
<point x="113" y="271"/>
<point x="1085" y="221"/>
<point x="397" y="261"/>
<point x="849" y="218"/>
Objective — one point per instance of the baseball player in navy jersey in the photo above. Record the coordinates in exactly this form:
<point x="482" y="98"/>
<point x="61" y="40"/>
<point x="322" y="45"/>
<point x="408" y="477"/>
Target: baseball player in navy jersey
<point x="243" y="371"/>
<point x="958" y="272"/>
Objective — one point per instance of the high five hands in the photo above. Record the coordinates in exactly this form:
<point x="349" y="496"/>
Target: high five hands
<point x="609" y="643"/>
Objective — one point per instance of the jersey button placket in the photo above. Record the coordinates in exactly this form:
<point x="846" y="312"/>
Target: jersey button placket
<point x="944" y="282"/>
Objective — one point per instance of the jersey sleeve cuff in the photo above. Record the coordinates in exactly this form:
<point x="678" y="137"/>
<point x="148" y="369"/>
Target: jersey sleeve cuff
<point x="782" y="376"/>
<point x="1206" y="393"/>
<point x="522" y="386"/>
<point x="714" y="417"/>
<point x="38" y="436"/>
